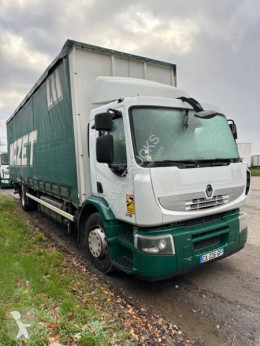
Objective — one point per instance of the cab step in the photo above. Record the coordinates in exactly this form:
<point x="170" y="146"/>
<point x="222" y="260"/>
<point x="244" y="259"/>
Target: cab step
<point x="124" y="263"/>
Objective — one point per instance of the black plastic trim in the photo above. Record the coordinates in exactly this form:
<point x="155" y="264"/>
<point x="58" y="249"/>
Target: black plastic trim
<point x="99" y="187"/>
<point x="248" y="181"/>
<point x="88" y="133"/>
<point x="192" y="102"/>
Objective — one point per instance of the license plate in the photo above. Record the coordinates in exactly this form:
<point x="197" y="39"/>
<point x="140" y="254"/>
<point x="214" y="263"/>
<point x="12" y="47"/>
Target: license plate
<point x="211" y="255"/>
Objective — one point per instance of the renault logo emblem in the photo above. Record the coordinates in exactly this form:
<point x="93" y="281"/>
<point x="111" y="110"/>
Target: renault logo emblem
<point x="209" y="190"/>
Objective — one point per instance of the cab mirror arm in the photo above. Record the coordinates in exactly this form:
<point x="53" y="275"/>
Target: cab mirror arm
<point x="233" y="128"/>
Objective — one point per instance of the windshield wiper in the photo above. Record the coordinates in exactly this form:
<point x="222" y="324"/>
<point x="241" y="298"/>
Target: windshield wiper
<point x="197" y="163"/>
<point x="181" y="164"/>
<point x="218" y="161"/>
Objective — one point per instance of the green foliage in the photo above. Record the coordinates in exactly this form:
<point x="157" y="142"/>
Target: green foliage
<point x="61" y="303"/>
<point x="255" y="171"/>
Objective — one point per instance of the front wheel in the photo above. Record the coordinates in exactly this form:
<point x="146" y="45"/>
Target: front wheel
<point x="27" y="203"/>
<point x="96" y="243"/>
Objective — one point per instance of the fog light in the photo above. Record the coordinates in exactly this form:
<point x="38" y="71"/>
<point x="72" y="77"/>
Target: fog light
<point x="242" y="221"/>
<point x="157" y="245"/>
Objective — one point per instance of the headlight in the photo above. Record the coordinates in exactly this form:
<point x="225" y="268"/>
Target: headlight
<point x="158" y="245"/>
<point x="242" y="221"/>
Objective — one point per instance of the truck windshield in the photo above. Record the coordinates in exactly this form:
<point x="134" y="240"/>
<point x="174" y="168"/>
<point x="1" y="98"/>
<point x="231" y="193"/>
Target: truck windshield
<point x="4" y="159"/>
<point x="166" y="136"/>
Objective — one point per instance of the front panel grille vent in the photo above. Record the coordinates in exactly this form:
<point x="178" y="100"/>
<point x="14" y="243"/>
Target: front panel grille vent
<point x="206" y="243"/>
<point x="203" y="203"/>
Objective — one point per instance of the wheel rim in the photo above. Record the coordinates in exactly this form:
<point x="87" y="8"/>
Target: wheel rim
<point x="97" y="242"/>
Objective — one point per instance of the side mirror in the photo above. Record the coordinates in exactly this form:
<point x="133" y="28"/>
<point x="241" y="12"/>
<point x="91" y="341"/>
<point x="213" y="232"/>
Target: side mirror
<point x="233" y="128"/>
<point x="105" y="149"/>
<point x="103" y="121"/>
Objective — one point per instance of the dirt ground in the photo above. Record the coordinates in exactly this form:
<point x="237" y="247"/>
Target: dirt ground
<point x="218" y="304"/>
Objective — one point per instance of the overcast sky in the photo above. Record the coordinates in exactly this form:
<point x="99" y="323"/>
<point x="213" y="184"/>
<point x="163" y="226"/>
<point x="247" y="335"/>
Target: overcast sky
<point x="215" y="44"/>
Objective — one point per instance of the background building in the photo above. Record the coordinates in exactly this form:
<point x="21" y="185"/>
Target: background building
<point x="255" y="161"/>
<point x="3" y="145"/>
<point x="245" y="151"/>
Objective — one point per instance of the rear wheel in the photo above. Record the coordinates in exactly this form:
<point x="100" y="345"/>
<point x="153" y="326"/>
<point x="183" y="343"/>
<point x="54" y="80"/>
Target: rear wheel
<point x="96" y="243"/>
<point x="27" y="203"/>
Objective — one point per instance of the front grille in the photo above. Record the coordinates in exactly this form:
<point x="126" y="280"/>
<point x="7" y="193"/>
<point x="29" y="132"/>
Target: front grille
<point x="202" y="220"/>
<point x="206" y="243"/>
<point x="202" y="203"/>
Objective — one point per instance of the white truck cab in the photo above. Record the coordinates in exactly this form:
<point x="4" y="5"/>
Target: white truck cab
<point x="166" y="156"/>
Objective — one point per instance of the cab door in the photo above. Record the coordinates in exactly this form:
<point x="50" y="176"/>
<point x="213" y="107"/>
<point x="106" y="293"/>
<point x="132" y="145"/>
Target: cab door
<point x="114" y="182"/>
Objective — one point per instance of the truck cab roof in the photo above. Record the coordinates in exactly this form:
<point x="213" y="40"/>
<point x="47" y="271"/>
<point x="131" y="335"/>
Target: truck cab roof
<point x="108" y="89"/>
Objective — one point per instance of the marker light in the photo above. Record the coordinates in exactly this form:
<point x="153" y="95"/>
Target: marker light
<point x="242" y="221"/>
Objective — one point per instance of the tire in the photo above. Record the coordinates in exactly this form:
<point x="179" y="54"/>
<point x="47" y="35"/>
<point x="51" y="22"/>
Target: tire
<point x="27" y="203"/>
<point x="96" y="243"/>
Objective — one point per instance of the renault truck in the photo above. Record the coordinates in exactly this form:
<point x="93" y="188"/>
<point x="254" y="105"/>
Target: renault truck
<point x="147" y="177"/>
<point x="4" y="166"/>
<point x="4" y="171"/>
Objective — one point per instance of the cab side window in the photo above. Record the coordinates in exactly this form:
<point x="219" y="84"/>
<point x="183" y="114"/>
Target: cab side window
<point x="119" y="142"/>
